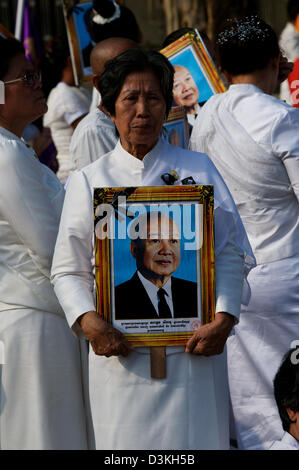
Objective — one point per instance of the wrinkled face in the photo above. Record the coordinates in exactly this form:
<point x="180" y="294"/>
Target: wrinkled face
<point x="185" y="91"/>
<point x="159" y="254"/>
<point x="23" y="102"/>
<point x="140" y="111"/>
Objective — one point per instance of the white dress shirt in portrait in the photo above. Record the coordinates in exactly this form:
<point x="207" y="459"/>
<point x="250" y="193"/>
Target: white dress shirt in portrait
<point x="152" y="292"/>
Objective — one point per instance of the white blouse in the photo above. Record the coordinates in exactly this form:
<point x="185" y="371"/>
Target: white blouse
<point x="31" y="199"/>
<point x="72" y="263"/>
<point x="253" y="140"/>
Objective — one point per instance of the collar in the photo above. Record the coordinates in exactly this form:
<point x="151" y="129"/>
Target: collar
<point x="150" y="287"/>
<point x="290" y="440"/>
<point x="13" y="137"/>
<point x="129" y="161"/>
<point x="246" y="88"/>
<point x="10" y="135"/>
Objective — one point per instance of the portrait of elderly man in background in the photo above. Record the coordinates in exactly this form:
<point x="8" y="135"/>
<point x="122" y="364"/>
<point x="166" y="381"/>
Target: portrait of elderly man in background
<point x="185" y="91"/>
<point x="153" y="292"/>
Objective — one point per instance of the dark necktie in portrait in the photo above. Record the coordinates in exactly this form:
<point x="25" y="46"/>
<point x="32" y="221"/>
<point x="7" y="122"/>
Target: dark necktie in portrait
<point x="163" y="307"/>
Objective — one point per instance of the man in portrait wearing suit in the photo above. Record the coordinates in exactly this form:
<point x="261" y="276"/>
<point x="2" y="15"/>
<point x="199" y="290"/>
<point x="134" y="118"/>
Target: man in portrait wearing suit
<point x="153" y="292"/>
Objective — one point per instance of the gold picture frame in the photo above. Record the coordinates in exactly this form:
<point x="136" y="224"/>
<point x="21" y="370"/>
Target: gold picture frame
<point x="191" y="207"/>
<point x="189" y="52"/>
<point x="79" y="39"/>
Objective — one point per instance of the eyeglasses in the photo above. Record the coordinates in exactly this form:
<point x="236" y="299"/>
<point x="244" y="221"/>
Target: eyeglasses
<point x="29" y="79"/>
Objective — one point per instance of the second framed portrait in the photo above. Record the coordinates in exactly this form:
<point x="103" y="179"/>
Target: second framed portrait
<point x="196" y="78"/>
<point x="176" y="127"/>
<point x="77" y="19"/>
<point x="154" y="253"/>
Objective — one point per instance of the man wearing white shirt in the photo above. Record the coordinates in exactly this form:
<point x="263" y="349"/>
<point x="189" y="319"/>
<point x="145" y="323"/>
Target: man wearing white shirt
<point x="152" y="290"/>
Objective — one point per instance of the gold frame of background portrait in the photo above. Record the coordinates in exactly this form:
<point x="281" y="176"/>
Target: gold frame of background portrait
<point x="73" y="16"/>
<point x="190" y="52"/>
<point x="193" y="206"/>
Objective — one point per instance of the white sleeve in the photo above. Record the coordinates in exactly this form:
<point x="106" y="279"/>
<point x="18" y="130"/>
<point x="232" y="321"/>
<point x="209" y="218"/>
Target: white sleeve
<point x="230" y="266"/>
<point x="72" y="263"/>
<point x="71" y="103"/>
<point x="285" y="142"/>
<point x="28" y="208"/>
<point x="89" y="143"/>
<point x="229" y="274"/>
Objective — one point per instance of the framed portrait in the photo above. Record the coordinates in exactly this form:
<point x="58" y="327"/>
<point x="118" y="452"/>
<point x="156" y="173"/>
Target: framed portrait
<point x="176" y="130"/>
<point x="196" y="78"/>
<point x="154" y="261"/>
<point x="80" y="43"/>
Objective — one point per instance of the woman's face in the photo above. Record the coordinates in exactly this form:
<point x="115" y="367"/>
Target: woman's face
<point x="140" y="111"/>
<point x="23" y="103"/>
<point x="185" y="91"/>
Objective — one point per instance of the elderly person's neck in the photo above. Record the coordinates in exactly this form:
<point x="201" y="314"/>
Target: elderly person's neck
<point x="137" y="150"/>
<point x="11" y="124"/>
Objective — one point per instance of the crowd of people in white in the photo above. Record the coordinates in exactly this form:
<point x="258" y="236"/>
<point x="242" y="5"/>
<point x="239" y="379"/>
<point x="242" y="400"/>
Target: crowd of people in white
<point x="70" y="379"/>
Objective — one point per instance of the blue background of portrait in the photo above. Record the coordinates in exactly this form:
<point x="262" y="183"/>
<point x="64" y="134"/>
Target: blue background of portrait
<point x="82" y="33"/>
<point x="186" y="59"/>
<point x="125" y="264"/>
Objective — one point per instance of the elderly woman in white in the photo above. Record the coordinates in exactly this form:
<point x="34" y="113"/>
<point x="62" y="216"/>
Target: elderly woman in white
<point x="188" y="409"/>
<point x="42" y="403"/>
<point x="253" y="139"/>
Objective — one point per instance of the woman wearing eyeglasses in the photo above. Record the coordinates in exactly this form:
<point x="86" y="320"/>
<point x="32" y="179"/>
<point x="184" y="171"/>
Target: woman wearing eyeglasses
<point x="41" y="401"/>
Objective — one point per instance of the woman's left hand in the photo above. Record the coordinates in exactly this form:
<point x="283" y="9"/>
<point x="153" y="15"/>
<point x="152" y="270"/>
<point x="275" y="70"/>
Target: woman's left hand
<point x="210" y="339"/>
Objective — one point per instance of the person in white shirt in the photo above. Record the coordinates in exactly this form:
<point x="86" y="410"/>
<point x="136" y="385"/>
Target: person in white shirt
<point x="286" y="392"/>
<point x="289" y="44"/>
<point x="253" y="139"/>
<point x="42" y="382"/>
<point x="189" y="408"/>
<point x="67" y="105"/>
<point x="95" y="135"/>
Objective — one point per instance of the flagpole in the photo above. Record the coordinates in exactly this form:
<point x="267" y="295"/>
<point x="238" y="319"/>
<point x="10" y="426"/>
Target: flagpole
<point x="19" y="19"/>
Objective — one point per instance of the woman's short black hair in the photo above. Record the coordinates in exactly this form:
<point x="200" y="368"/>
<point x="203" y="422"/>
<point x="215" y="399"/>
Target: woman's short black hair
<point x="134" y="60"/>
<point x="9" y="48"/>
<point x="286" y="386"/>
<point x="245" y="45"/>
<point x="293" y="9"/>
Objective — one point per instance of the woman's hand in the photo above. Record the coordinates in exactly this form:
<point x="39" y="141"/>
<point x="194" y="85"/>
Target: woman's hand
<point x="210" y="339"/>
<point x="103" y="337"/>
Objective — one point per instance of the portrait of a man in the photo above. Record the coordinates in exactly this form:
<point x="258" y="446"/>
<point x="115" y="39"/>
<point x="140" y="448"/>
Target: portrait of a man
<point x="153" y="292"/>
<point x="185" y="91"/>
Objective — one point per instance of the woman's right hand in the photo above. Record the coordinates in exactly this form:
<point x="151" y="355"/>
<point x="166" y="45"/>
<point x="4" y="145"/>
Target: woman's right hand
<point x="103" y="337"/>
